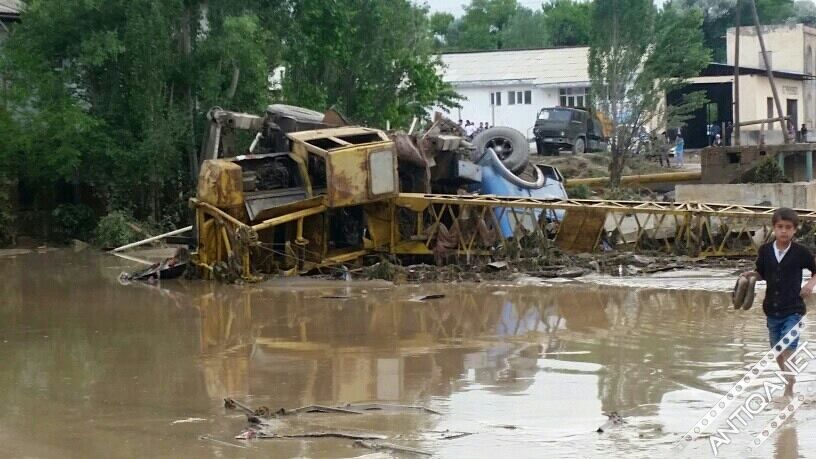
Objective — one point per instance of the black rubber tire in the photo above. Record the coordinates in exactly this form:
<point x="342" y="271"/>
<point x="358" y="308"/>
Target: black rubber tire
<point x="579" y="147"/>
<point x="509" y="144"/>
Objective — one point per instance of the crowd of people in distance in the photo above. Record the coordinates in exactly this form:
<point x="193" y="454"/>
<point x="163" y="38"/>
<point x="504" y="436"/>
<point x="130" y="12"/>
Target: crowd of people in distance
<point x="471" y="130"/>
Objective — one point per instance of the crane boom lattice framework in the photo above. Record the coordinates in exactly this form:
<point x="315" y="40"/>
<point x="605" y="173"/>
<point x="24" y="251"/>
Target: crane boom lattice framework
<point x="484" y="227"/>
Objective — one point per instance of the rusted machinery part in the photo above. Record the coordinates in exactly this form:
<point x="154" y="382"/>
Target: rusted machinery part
<point x="407" y="151"/>
<point x="446" y="239"/>
<point x="246" y="236"/>
<point x="743" y="295"/>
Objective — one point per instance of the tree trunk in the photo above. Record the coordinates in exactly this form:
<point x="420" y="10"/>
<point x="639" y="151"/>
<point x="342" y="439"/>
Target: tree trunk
<point x="616" y="167"/>
<point x="236" y="75"/>
<point x="187" y="50"/>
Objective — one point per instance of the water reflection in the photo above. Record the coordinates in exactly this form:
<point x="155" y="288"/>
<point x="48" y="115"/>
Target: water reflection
<point x="376" y="345"/>
<point x="548" y="360"/>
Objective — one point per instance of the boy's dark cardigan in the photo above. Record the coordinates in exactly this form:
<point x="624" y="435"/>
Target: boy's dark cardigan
<point x="784" y="280"/>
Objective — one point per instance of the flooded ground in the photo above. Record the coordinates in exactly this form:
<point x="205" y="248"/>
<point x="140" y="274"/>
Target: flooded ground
<point x="91" y="368"/>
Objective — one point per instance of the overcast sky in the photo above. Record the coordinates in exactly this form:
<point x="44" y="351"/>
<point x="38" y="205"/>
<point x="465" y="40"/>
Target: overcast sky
<point x="455" y="6"/>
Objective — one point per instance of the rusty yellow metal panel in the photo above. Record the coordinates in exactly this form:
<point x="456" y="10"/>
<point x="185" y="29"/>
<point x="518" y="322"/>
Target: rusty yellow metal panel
<point x="379" y="219"/>
<point x="220" y="184"/>
<point x="347" y="181"/>
<point x="349" y="172"/>
<point x="305" y="136"/>
<point x="580" y="230"/>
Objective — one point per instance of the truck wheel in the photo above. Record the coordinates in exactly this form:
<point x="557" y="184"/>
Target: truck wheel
<point x="509" y="144"/>
<point x="579" y="147"/>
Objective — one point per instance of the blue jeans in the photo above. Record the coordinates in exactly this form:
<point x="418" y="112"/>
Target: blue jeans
<point x="778" y="326"/>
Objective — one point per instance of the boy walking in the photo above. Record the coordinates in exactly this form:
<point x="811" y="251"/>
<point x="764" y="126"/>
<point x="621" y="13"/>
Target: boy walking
<point x="780" y="264"/>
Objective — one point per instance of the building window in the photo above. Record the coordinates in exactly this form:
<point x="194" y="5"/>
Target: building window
<point x="770" y="107"/>
<point x="498" y="98"/>
<point x="572" y="97"/>
<point x="519" y="97"/>
<point x="495" y="98"/>
<point x="492" y="99"/>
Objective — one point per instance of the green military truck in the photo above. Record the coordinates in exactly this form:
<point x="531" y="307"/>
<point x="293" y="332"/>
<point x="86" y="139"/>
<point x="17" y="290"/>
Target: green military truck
<point x="562" y="128"/>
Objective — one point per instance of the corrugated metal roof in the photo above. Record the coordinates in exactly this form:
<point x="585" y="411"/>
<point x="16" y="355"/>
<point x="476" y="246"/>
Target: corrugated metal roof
<point x="546" y="66"/>
<point x="11" y="7"/>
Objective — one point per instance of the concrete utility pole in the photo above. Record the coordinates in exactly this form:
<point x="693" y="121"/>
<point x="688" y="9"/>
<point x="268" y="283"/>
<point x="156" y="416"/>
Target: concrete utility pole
<point x="736" y="116"/>
<point x="770" y="72"/>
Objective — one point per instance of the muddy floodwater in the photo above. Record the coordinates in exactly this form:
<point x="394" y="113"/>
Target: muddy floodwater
<point x="92" y="368"/>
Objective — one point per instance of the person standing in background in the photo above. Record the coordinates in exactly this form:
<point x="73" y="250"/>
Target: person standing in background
<point x="469" y="129"/>
<point x="679" y="145"/>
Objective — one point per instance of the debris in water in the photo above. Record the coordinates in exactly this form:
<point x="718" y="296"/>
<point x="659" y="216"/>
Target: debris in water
<point x="260" y="434"/>
<point x="614" y="420"/>
<point x="391" y="447"/>
<point x="505" y="426"/>
<point x="434" y="296"/>
<point x="220" y="442"/>
<point x="449" y="435"/>
<point x="169" y="268"/>
<point x="359" y="408"/>
<point x="188" y="420"/>
<point x="497" y="265"/>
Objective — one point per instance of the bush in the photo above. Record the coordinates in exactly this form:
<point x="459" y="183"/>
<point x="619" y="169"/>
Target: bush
<point x="579" y="192"/>
<point x="72" y="221"/>
<point x="767" y="171"/>
<point x="621" y="194"/>
<point x="114" y="230"/>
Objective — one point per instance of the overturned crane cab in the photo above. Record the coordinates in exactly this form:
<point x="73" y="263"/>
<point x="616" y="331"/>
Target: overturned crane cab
<point x="311" y="191"/>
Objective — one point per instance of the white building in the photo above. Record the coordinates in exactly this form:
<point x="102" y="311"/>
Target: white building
<point x="791" y="49"/>
<point x="509" y="87"/>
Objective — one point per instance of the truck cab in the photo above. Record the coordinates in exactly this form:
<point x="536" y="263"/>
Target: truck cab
<point x="558" y="128"/>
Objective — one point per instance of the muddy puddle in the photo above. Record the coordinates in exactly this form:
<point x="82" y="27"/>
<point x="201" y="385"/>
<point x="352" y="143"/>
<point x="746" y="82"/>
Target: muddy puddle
<point x="91" y="368"/>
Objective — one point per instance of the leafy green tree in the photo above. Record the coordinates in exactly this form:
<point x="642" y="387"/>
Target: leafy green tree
<point x="107" y="95"/>
<point x="110" y="96"/>
<point x="719" y="15"/>
<point x="637" y="55"/>
<point x="483" y="23"/>
<point x="805" y="12"/>
<point x="440" y="23"/>
<point x="525" y="29"/>
<point x="504" y="24"/>
<point x="370" y="59"/>
<point x="567" y="22"/>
